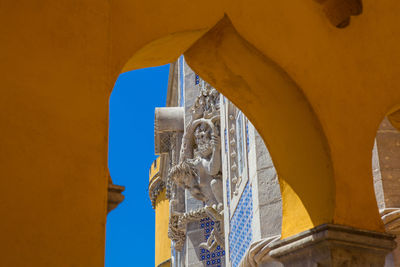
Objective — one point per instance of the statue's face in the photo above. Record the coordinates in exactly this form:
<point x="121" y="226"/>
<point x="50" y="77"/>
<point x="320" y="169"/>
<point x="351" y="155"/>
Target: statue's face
<point x="202" y="139"/>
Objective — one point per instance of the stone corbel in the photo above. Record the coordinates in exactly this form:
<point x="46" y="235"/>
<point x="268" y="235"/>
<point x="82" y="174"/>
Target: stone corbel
<point x="167" y="121"/>
<point x="339" y="12"/>
<point x="115" y="196"/>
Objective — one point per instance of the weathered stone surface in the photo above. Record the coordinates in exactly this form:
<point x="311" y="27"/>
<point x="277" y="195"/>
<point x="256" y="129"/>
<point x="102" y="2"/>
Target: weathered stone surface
<point x="193" y="239"/>
<point x="190" y="92"/>
<point x="391" y="187"/>
<point x="271" y="218"/>
<point x="191" y="203"/>
<point x="388" y="150"/>
<point x="268" y="187"/>
<point x="264" y="159"/>
<point x="194" y="236"/>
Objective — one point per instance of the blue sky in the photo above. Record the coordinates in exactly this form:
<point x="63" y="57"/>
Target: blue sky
<point x="130" y="227"/>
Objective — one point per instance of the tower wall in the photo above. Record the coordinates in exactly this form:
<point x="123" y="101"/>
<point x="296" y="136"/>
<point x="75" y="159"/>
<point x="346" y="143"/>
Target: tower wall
<point x="160" y="203"/>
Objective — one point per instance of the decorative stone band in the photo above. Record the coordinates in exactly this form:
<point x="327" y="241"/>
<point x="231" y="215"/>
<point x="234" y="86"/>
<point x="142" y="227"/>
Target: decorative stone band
<point x="391" y="219"/>
<point x="191" y="216"/>
<point x="333" y="245"/>
<point x="257" y="254"/>
<point x="177" y="227"/>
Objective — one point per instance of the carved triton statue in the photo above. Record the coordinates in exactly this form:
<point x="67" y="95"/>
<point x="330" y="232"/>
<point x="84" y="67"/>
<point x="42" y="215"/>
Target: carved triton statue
<point x="199" y="168"/>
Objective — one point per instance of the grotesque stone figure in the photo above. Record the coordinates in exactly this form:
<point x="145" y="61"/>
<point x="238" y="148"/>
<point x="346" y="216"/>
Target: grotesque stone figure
<point x="207" y="162"/>
<point x="199" y="167"/>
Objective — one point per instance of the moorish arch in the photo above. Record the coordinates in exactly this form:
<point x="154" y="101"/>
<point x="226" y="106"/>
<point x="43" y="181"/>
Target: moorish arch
<point x="311" y="153"/>
<point x="279" y="110"/>
<point x="277" y="107"/>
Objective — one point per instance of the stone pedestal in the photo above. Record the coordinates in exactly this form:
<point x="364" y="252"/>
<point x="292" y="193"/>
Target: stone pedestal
<point x="333" y="245"/>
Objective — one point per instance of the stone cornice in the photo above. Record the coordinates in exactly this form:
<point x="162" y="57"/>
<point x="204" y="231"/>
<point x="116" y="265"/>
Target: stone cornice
<point x="115" y="196"/>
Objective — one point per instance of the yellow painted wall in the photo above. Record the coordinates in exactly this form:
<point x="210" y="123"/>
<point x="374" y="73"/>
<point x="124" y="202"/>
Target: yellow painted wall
<point x="162" y="242"/>
<point x="154" y="171"/>
<point x="55" y="85"/>
<point x="60" y="60"/>
<point x="165" y="264"/>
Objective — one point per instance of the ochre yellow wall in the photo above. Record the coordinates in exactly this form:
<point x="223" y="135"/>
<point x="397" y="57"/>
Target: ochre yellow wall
<point x="59" y="62"/>
<point x="165" y="264"/>
<point x="161" y="208"/>
<point x="163" y="243"/>
<point x="55" y="85"/>
<point x="154" y="170"/>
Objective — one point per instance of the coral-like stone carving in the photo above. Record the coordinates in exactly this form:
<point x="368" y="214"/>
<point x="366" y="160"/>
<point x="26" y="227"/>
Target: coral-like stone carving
<point x="199" y="169"/>
<point x="339" y="12"/>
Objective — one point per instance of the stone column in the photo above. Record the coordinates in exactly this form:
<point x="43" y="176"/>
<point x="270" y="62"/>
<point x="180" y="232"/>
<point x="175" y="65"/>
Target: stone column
<point x="333" y="245"/>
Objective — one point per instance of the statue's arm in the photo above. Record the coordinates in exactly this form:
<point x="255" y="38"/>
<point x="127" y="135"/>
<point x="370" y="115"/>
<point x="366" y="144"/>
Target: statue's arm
<point x="214" y="165"/>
